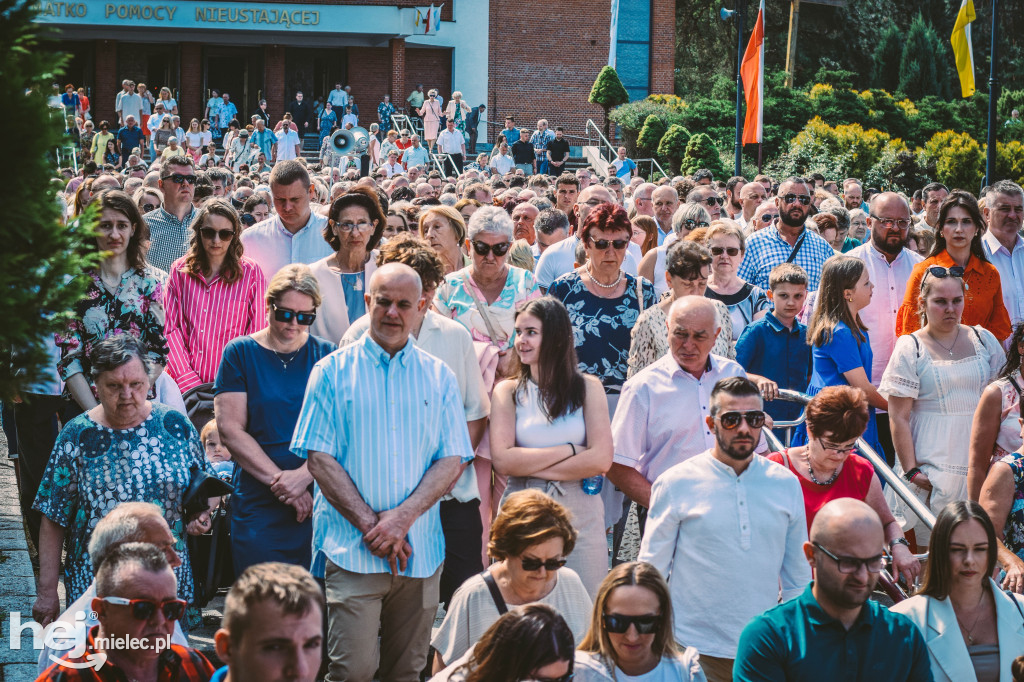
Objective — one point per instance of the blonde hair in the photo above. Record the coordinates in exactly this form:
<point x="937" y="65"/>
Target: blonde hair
<point x="449" y="213"/>
<point x="725" y="228"/>
<point x="295" y="277"/>
<point x="520" y="255"/>
<point x="457" y="94"/>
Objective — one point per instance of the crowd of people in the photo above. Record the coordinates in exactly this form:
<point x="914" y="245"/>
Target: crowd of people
<point x="462" y="389"/>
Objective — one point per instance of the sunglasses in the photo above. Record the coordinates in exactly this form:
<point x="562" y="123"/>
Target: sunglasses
<point x="146" y="208"/>
<point x="602" y="244"/>
<point x="941" y="272"/>
<point x="498" y="250"/>
<point x="804" y="199"/>
<point x="849" y="564"/>
<point x="692" y="224"/>
<point x="210" y="233"/>
<point x="532" y="564"/>
<point x="178" y="178"/>
<point x="618" y="624"/>
<point x="713" y="201"/>
<point x="719" y="250"/>
<point x="285" y="315"/>
<point x="731" y="420"/>
<point x="143" y="609"/>
<point x="769" y="217"/>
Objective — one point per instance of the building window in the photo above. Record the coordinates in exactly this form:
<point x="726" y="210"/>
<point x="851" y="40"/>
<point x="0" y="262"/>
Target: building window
<point x="633" y="47"/>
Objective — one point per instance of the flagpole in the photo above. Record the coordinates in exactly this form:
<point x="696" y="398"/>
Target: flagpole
<point x="759" y="158"/>
<point x="740" y="6"/>
<point x="993" y="99"/>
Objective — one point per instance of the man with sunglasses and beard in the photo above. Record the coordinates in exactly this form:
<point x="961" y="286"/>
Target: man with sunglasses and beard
<point x="137" y="607"/>
<point x="788" y="241"/>
<point x="890" y="265"/>
<point x="833" y="631"/>
<point x="169" y="225"/>
<point x="725" y="522"/>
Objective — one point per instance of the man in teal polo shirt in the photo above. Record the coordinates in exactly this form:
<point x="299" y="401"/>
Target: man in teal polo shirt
<point x="833" y="631"/>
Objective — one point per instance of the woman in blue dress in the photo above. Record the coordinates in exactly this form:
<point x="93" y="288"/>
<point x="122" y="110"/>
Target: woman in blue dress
<point x="258" y="395"/>
<point x="328" y="120"/>
<point x="603" y="301"/>
<point x="840" y="352"/>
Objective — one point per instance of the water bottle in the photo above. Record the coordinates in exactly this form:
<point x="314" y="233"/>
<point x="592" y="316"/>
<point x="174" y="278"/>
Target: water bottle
<point x="592" y="485"/>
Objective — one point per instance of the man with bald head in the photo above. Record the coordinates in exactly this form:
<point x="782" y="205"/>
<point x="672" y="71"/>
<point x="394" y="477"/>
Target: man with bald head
<point x="661" y="418"/>
<point x="560" y="259"/>
<point x="523" y="217"/>
<point x="726" y="529"/>
<point x="665" y="200"/>
<point x="383" y="428"/>
<point x="889" y="264"/>
<point x="752" y="195"/>
<point x="833" y="631"/>
<point x="642" y="198"/>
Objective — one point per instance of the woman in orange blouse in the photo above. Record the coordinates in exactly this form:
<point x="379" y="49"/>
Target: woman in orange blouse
<point x="958" y="244"/>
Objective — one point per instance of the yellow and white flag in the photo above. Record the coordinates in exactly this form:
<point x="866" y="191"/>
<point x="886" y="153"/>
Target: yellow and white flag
<point x="962" y="50"/>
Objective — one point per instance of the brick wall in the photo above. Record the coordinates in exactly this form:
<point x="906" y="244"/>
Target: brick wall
<point x="397" y="82"/>
<point x="273" y="78"/>
<point x="430" y="66"/>
<point x="190" y="95"/>
<point x="107" y="83"/>
<point x="663" y="46"/>
<point x="369" y="74"/>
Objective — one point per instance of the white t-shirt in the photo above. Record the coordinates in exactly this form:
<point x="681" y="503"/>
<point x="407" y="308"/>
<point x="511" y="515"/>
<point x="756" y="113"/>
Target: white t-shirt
<point x="286" y="141"/>
<point x="502" y="163"/>
<point x="195" y="140"/>
<point x="685" y="667"/>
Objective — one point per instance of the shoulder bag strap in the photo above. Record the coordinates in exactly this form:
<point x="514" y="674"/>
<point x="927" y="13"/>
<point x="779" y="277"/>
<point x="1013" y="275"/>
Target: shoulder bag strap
<point x="492" y="586"/>
<point x="640" y="293"/>
<point x="1016" y="386"/>
<point x="796" y="247"/>
<point x="481" y="306"/>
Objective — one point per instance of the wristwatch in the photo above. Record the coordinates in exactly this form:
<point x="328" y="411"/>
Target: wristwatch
<point x="899" y="541"/>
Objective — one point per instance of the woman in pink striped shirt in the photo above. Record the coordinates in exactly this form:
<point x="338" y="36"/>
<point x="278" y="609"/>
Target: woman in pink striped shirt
<point x="214" y="294"/>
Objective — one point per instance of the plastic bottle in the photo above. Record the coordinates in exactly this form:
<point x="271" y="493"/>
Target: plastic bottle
<point x="592" y="485"/>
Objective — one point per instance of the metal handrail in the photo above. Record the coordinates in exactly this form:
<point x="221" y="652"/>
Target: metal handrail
<point x="654" y="164"/>
<point x="593" y="132"/>
<point x="441" y="161"/>
<point x="399" y="121"/>
<point x="883" y="470"/>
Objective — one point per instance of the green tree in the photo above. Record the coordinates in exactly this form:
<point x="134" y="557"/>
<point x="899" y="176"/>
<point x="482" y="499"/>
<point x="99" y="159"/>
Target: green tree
<point x="1010" y="161"/>
<point x="650" y="135"/>
<point x="608" y="93"/>
<point x="40" y="254"/>
<point x="672" y="146"/>
<point x="922" y="65"/>
<point x="701" y="152"/>
<point x="885" y="67"/>
<point x="958" y="158"/>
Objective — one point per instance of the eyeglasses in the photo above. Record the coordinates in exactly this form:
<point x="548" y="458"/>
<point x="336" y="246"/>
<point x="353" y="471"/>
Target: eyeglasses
<point x="178" y="178"/>
<point x="143" y="609"/>
<point x="731" y="420"/>
<point x="849" y="564"/>
<point x="210" y="233"/>
<point x="498" y="250"/>
<point x="602" y="244"/>
<point x="941" y="272"/>
<point x="349" y="227"/>
<point x="769" y="217"/>
<point x="619" y="625"/>
<point x="146" y="208"/>
<point x="532" y="564"/>
<point x="285" y="315"/>
<point x="719" y="250"/>
<point x="838" y="449"/>
<point x="713" y="201"/>
<point x="691" y="224"/>
<point x="898" y="223"/>
<point x="804" y="199"/>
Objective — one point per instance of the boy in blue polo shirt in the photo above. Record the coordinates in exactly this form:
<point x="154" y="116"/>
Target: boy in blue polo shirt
<point x="775" y="348"/>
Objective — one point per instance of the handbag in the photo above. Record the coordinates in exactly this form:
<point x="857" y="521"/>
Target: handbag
<point x="201" y="487"/>
<point x="492" y="587"/>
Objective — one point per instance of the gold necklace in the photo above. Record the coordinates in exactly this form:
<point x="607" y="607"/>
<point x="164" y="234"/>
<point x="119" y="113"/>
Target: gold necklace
<point x="970" y="632"/>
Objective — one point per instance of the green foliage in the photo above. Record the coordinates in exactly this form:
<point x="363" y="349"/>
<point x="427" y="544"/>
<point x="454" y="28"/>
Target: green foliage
<point x="650" y="135"/>
<point x="959" y="159"/>
<point x="701" y="152"/>
<point x="1010" y="161"/>
<point x="924" y="66"/>
<point x="673" y="145"/>
<point x="837" y="78"/>
<point x="838" y="152"/>
<point x="1008" y="101"/>
<point x="838" y="106"/>
<point x="608" y="92"/>
<point x="39" y="254"/>
<point x="885" y="68"/>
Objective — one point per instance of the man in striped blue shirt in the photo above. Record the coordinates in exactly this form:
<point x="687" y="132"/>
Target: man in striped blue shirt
<point x="383" y="428"/>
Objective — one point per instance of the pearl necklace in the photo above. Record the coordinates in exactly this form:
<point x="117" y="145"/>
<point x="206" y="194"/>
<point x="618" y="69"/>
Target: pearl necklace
<point x="602" y="284"/>
<point x="810" y="472"/>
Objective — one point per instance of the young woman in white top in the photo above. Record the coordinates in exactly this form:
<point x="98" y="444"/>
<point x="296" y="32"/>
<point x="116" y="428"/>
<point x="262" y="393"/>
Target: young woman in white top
<point x="550" y="429"/>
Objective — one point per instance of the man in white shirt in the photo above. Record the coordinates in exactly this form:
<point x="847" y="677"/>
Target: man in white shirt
<point x="289" y="145"/>
<point x="560" y="259"/>
<point x="294" y="234"/>
<point x="129" y="103"/>
<point x="726" y="529"/>
<point x="889" y="264"/>
<point x="502" y="161"/>
<point x="453" y="143"/>
<point x="1003" y="212"/>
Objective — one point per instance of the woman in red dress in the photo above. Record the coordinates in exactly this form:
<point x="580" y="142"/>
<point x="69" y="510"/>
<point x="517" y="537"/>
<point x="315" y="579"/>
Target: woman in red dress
<point x="828" y="468"/>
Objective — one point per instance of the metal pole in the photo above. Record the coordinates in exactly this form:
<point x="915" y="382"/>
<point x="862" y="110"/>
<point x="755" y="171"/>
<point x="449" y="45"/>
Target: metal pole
<point x="740" y="7"/>
<point x="794" y="20"/>
<point x="993" y="99"/>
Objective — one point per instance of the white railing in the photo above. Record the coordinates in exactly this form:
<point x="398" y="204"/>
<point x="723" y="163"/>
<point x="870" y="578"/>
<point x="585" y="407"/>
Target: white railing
<point x="602" y="153"/>
<point x="401" y="121"/>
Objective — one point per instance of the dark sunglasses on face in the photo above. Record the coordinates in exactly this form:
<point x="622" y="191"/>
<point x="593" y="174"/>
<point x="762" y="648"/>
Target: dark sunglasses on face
<point x="143" y="609"/>
<point x="619" y="625"/>
<point x="146" y="208"/>
<point x="849" y="564"/>
<point x="498" y="250"/>
<point x="712" y="201"/>
<point x="178" y="178"/>
<point x="804" y="199"/>
<point x="719" y="250"/>
<point x="769" y="217"/>
<point x="210" y="233"/>
<point x="285" y="315"/>
<point x="533" y="564"/>
<point x="731" y="420"/>
<point x="602" y="244"/>
<point x="692" y="224"/>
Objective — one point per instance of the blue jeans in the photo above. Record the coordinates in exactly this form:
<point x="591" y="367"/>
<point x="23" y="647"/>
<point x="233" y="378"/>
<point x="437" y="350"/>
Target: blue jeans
<point x="542" y="164"/>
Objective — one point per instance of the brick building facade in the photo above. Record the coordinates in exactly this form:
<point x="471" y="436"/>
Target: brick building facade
<point x="494" y="51"/>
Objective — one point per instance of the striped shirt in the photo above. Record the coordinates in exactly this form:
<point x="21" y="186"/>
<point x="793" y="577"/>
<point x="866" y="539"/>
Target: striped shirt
<point x="272" y="246"/>
<point x="203" y="316"/>
<point x="169" y="235"/>
<point x="766" y="248"/>
<point x="386" y="420"/>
